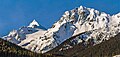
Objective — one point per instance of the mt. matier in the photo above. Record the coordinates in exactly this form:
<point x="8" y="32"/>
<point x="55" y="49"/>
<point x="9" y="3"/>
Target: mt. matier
<point x="85" y="26"/>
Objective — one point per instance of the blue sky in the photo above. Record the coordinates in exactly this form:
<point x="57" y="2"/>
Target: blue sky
<point x="17" y="13"/>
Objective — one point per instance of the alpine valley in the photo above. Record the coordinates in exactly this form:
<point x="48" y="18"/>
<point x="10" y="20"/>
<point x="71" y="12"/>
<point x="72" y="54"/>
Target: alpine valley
<point x="80" y="32"/>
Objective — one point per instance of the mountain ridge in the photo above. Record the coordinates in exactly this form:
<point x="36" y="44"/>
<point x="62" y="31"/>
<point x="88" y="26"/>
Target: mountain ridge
<point x="99" y="25"/>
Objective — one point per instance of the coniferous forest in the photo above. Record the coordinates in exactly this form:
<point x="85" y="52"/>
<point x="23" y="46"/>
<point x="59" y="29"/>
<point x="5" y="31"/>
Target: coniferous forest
<point x="107" y="48"/>
<point x="8" y="49"/>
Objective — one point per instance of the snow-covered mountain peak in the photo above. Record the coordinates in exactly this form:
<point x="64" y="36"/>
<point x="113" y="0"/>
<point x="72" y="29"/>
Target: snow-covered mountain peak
<point x="72" y="23"/>
<point x="33" y="24"/>
<point x="81" y="18"/>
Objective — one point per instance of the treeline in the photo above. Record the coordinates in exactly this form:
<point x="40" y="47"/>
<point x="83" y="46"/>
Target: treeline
<point x="107" y="48"/>
<point x="8" y="49"/>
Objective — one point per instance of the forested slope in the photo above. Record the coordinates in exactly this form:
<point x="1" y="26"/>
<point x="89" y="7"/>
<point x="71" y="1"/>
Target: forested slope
<point x="8" y="49"/>
<point x="107" y="48"/>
